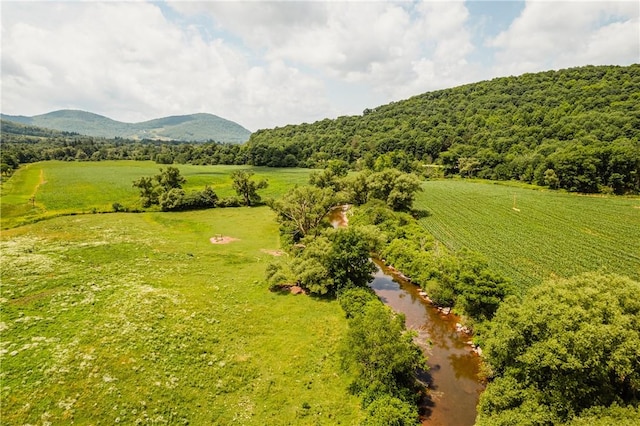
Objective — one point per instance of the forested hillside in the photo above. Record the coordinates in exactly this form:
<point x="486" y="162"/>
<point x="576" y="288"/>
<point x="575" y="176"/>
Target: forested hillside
<point x="576" y="129"/>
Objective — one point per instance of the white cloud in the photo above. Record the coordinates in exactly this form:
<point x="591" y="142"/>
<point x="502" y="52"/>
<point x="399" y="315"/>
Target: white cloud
<point x="551" y="35"/>
<point x="126" y="61"/>
<point x="384" y="45"/>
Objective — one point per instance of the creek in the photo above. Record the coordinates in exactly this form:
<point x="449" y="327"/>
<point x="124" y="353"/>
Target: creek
<point x="454" y="386"/>
<point x="453" y="379"/>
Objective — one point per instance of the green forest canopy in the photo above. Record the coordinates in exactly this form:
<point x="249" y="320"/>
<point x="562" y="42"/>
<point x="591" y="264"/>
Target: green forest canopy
<point x="582" y="124"/>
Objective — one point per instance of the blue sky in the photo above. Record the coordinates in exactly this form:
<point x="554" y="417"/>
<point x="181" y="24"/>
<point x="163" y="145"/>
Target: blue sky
<point x="265" y="64"/>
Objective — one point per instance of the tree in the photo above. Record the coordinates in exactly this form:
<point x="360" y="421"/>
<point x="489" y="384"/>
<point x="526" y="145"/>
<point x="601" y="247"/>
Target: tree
<point x="394" y="187"/>
<point x="356" y="188"/>
<point x="390" y="411"/>
<point x="170" y="178"/>
<point x="247" y="188"/>
<point x="381" y="353"/>
<point x="302" y="209"/>
<point x="171" y="199"/>
<point x="479" y="290"/>
<point x="570" y="345"/>
<point x="328" y="264"/>
<point x="331" y="175"/>
<point x="404" y="191"/>
<point x="551" y="179"/>
<point x="148" y="191"/>
<point x="334" y="261"/>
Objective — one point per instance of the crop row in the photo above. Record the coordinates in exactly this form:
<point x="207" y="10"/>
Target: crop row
<point x="531" y="235"/>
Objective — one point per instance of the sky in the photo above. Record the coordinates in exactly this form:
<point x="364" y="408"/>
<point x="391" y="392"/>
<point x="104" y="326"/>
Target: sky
<point x="265" y="64"/>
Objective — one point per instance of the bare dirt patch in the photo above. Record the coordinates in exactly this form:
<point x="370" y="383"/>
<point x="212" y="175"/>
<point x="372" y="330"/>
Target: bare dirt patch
<point x="220" y="239"/>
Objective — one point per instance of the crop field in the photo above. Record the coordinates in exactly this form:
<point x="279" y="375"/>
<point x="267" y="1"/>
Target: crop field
<point x="55" y="188"/>
<point x="547" y="234"/>
<point x="139" y="319"/>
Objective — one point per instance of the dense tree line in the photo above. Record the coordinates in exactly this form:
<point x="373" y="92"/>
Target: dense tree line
<point x="577" y="129"/>
<point x="28" y="144"/>
<point x="460" y="280"/>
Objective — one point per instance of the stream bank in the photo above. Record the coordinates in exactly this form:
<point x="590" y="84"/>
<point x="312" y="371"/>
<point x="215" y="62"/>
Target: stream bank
<point x="453" y="376"/>
<point x="454" y="385"/>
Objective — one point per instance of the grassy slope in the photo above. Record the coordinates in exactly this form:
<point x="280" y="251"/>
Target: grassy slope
<point x="81" y="187"/>
<point x="138" y="317"/>
<point x="553" y="233"/>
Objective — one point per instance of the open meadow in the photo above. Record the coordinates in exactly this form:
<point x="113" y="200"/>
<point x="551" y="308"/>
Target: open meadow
<point x="138" y="318"/>
<point x="548" y="233"/>
<point x="54" y="188"/>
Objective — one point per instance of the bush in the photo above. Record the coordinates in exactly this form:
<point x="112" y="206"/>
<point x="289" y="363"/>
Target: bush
<point x="231" y="201"/>
<point x="354" y="300"/>
<point x="177" y="200"/>
<point x="390" y="411"/>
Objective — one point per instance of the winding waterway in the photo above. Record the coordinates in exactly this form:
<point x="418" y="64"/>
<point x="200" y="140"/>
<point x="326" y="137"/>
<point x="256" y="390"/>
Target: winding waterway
<point x="454" y="386"/>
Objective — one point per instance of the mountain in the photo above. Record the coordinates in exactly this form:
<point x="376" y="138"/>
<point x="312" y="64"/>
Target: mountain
<point x="192" y="128"/>
<point x="576" y="129"/>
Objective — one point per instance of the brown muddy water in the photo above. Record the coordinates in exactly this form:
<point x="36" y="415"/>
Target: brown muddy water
<point x="454" y="386"/>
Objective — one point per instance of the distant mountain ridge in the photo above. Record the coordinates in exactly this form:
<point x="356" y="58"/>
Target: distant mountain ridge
<point x="192" y="128"/>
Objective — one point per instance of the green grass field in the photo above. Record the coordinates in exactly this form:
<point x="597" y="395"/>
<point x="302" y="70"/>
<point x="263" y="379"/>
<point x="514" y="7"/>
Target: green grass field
<point x="137" y="318"/>
<point x="551" y="233"/>
<point x="62" y="188"/>
<point x="140" y="319"/>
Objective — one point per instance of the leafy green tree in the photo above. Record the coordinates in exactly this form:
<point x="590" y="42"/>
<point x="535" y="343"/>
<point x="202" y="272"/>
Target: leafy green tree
<point x="330" y="177"/>
<point x="149" y="192"/>
<point x="467" y="166"/>
<point x="356" y="188"/>
<point x="394" y="187"/>
<point x="247" y="188"/>
<point x="349" y="263"/>
<point x="171" y="199"/>
<point x="606" y="416"/>
<point x="390" y="411"/>
<point x="334" y="261"/>
<point x="353" y="300"/>
<point x="381" y="353"/>
<point x="479" y="290"/>
<point x="405" y="187"/>
<point x="551" y="179"/>
<point x="327" y="264"/>
<point x="570" y="345"/>
<point x="170" y="178"/>
<point x="303" y="208"/>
